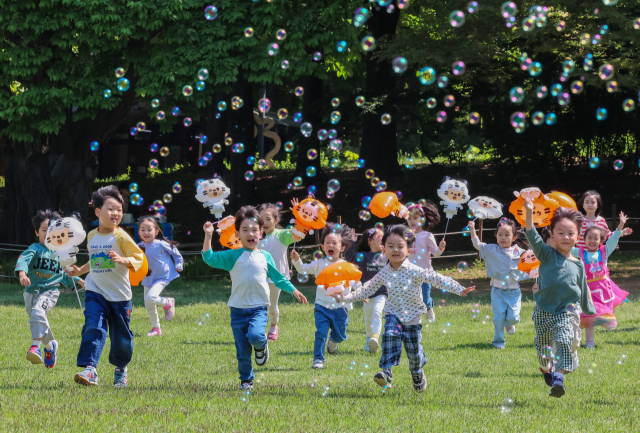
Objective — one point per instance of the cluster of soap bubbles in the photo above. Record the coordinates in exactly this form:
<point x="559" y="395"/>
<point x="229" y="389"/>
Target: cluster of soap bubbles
<point x="509" y="10"/>
<point x="537" y="18"/>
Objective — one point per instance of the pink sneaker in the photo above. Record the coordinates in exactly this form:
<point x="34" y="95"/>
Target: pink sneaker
<point x="170" y="309"/>
<point x="273" y="336"/>
<point x="155" y="332"/>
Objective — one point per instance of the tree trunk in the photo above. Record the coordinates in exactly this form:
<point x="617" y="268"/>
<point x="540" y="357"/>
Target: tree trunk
<point x="379" y="142"/>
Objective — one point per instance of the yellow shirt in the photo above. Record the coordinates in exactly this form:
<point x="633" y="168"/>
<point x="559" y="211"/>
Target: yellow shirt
<point x="107" y="278"/>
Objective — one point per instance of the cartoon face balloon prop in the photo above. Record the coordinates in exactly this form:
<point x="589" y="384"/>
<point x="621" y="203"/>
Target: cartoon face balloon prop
<point x="63" y="237"/>
<point x="310" y="214"/>
<point x="543" y="207"/>
<point x="529" y="264"/>
<point x="213" y="193"/>
<point x="563" y="199"/>
<point x="335" y="277"/>
<point x="454" y="193"/>
<point x="386" y="203"/>
<point x="485" y="208"/>
<point x="227" y="231"/>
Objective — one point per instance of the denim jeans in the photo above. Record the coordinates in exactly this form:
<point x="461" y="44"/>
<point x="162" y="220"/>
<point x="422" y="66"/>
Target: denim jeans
<point x="426" y="295"/>
<point x="328" y="319"/>
<point x="506" y="311"/>
<point x="248" y="326"/>
<point x="101" y="316"/>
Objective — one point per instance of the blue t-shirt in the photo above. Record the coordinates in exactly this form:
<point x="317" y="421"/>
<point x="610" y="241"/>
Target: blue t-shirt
<point x="161" y="267"/>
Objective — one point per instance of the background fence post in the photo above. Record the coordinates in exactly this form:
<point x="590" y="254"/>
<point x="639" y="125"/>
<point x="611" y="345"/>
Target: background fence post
<point x="480" y="227"/>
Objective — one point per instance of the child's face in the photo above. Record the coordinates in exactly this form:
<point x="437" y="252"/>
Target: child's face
<point x="396" y="249"/>
<point x="590" y="205"/>
<point x="249" y="233"/>
<point x="416" y="220"/>
<point x="332" y="246"/>
<point x="110" y="214"/>
<point x="269" y="219"/>
<point x="147" y="231"/>
<point x="565" y="235"/>
<point x="375" y="241"/>
<point x="42" y="231"/>
<point x="505" y="236"/>
<point x="592" y="240"/>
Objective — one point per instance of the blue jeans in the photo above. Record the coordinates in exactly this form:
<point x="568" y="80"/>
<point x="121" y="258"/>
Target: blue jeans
<point x="248" y="326"/>
<point x="328" y="319"/>
<point x="426" y="295"/>
<point x="506" y="306"/>
<point x="101" y="316"/>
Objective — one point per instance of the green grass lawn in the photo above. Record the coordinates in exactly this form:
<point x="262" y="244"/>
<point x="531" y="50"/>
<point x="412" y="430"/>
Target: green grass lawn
<point x="187" y="379"/>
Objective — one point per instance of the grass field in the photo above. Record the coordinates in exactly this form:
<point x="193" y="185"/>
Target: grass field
<point x="187" y="379"/>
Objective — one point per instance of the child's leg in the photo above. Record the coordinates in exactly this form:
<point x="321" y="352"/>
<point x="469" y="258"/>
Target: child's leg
<point x="513" y="299"/>
<point x="590" y="332"/>
<point x="499" y="306"/>
<point x="367" y="309"/>
<point x="391" y="342"/>
<point x="543" y="323"/>
<point x="94" y="331"/>
<point x="151" y="309"/>
<point x="274" y="311"/>
<point x="322" y="329"/>
<point x="566" y="331"/>
<point x="412" y="338"/>
<point x="339" y="321"/>
<point x="258" y="320"/>
<point x="426" y="295"/>
<point x="38" y="306"/>
<point x="376" y="315"/>
<point x="240" y="328"/>
<point x="119" y="333"/>
<point x="153" y="294"/>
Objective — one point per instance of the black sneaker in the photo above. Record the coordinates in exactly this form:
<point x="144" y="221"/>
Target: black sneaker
<point x="262" y="355"/>
<point x="246" y="385"/>
<point x="419" y="381"/>
<point x="557" y="386"/>
<point x="383" y="378"/>
<point x="548" y="377"/>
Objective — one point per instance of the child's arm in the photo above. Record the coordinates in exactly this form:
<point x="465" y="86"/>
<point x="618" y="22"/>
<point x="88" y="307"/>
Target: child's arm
<point x="77" y="271"/>
<point x="22" y="266"/>
<point x="285" y="236"/>
<point x="474" y="235"/>
<point x="586" y="303"/>
<point x="309" y="268"/>
<point x="540" y="249"/>
<point x="364" y="292"/>
<point x="175" y="255"/>
<point x="208" y="233"/>
<point x="444" y="283"/>
<point x="133" y="256"/>
<point x="612" y="242"/>
<point x="350" y="254"/>
<point x="280" y="281"/>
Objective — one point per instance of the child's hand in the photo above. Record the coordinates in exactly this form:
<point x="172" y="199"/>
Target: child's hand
<point x="366" y="301"/>
<point x="623" y="221"/>
<point x="535" y="288"/>
<point x="443" y="245"/>
<point x="354" y="236"/>
<point x="627" y="231"/>
<point x="294" y="202"/>
<point x="81" y="282"/>
<point x="208" y="228"/>
<point x="116" y="258"/>
<point x="24" y="280"/>
<point x="74" y="272"/>
<point x="467" y="290"/>
<point x="528" y="205"/>
<point x="178" y="270"/>
<point x="295" y="256"/>
<point x="471" y="225"/>
<point x="299" y="296"/>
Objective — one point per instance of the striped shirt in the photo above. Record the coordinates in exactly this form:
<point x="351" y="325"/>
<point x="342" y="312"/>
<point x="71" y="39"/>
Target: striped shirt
<point x="600" y="222"/>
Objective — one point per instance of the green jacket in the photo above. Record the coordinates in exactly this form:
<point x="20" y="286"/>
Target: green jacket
<point x="44" y="272"/>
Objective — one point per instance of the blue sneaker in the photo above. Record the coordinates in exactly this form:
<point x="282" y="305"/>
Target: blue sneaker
<point x="88" y="376"/>
<point x="557" y="386"/>
<point x="120" y="378"/>
<point x="50" y="355"/>
<point x="34" y="355"/>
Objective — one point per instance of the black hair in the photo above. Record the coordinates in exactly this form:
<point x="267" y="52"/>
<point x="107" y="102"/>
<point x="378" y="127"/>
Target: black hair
<point x="123" y="185"/>
<point x="566" y="213"/>
<point x="363" y="243"/>
<point x="248" y="212"/>
<point x="590" y="193"/>
<point x="546" y="234"/>
<point x="273" y="208"/>
<point x="159" y="234"/>
<point x="102" y="194"/>
<point x="519" y="238"/>
<point x="343" y="231"/>
<point x="43" y="215"/>
<point x="400" y="230"/>
<point x="430" y="213"/>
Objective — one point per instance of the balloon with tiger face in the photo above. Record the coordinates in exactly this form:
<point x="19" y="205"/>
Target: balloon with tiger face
<point x="63" y="237"/>
<point x="310" y="214"/>
<point x="543" y="207"/>
<point x="213" y="193"/>
<point x="485" y="208"/>
<point x="227" y="231"/>
<point x="529" y="264"/>
<point x="454" y="193"/>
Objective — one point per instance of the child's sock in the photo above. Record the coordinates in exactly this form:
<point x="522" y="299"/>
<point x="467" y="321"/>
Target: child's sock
<point x="272" y="328"/>
<point x="37" y="342"/>
<point x="388" y="372"/>
<point x="49" y="345"/>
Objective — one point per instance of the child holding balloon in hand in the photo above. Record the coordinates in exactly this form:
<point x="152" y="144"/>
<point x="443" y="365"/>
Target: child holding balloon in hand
<point x="404" y="306"/>
<point x="562" y="293"/>
<point x="249" y="268"/>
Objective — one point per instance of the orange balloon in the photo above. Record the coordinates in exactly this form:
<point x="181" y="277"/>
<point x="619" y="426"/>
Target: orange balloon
<point x="227" y="231"/>
<point x="563" y="199"/>
<point x="543" y="209"/>
<point x="136" y="277"/>
<point x="338" y="274"/>
<point x="310" y="214"/>
<point x="528" y="262"/>
<point x="386" y="203"/>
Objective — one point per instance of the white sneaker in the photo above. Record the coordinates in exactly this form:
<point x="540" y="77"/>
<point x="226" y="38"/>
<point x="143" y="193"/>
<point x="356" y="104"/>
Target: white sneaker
<point x="318" y="364"/>
<point x="332" y="347"/>
<point x="373" y="345"/>
<point x="511" y="329"/>
<point x="430" y="316"/>
<point x="590" y="346"/>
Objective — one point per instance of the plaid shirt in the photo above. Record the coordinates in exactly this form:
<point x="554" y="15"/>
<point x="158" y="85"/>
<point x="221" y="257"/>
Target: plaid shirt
<point x="405" y="289"/>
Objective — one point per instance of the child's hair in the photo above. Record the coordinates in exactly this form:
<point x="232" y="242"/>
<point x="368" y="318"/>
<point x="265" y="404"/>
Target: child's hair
<point x="343" y="231"/>
<point x="591" y="193"/>
<point x="273" y="208"/>
<point x="594" y="229"/>
<point x="519" y="238"/>
<point x="248" y="212"/>
<point x="400" y="230"/>
<point x="565" y="213"/>
<point x="430" y="213"/>
<point x="159" y="234"/>
<point x="363" y="244"/>
<point x="546" y="234"/>
<point x="102" y="194"/>
<point x="43" y="215"/>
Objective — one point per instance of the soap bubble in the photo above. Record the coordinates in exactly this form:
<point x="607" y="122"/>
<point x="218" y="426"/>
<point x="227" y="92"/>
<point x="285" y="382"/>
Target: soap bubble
<point x="577" y="87"/>
<point x="228" y="141"/>
<point x="297" y="117"/>
<point x="273" y="49"/>
<point x="136" y="199"/>
<point x="251" y="160"/>
<point x="537" y="118"/>
<point x="175" y="111"/>
<point x="368" y="43"/>
<point x="167" y="198"/>
<point x="382" y="186"/>
<point x="202" y="161"/>
<point x="153" y="163"/>
<point x="462" y="266"/>
<point x="317" y="56"/>
<point x="601" y="113"/>
<point x="449" y="100"/>
<point x="133" y="131"/>
<point x="335" y="145"/>
<point x="466" y="232"/>
<point x="317" y="255"/>
<point x="187" y="90"/>
<point x="187" y="121"/>
<point x="264" y="105"/>
<point x="369" y="173"/>
<point x="248" y="32"/>
<point x="312" y="154"/>
<point x="311" y="171"/>
<point x="330" y="193"/>
<point x="282" y="113"/>
<point x="200" y="85"/>
<point x="628" y="105"/>
<point x="323" y="135"/>
<point x="621" y="359"/>
<point x="123" y="84"/>
<point x="107" y="93"/>
<point x="594" y="162"/>
<point x="238" y="148"/>
<point x="203" y="139"/>
<point x="299" y="91"/>
<point x="334" y="185"/>
<point x="563" y="99"/>
<point x="427" y="75"/>
<point x="605" y="72"/>
<point x="560" y="26"/>
<point x="528" y="24"/>
<point x="516" y="95"/>
<point x="359" y="257"/>
<point x="335" y="163"/>
<point x="177" y="188"/>
<point x="222" y="105"/>
<point x="360" y="163"/>
<point x="509" y="9"/>
<point x="399" y="65"/>
<point x="542" y="92"/>
<point x="133" y="187"/>
<point x="341" y="46"/>
<point x="409" y="163"/>
<point x="236" y="102"/>
<point x="366" y="200"/>
<point x="385" y="119"/>
<point x="262" y="163"/>
<point x="284" y="64"/>
<point x="443" y="81"/>
<point x="306" y="129"/>
<point x="618" y="164"/>
<point x="335" y="102"/>
<point x="289" y="146"/>
<point x="456" y="18"/>
<point x="248" y="175"/>
<point x="360" y="100"/>
<point x="141" y="126"/>
<point x="507" y="405"/>
<point x="365" y="215"/>
<point x="281" y="34"/>
<point x="203" y="74"/>
<point x="431" y="103"/>
<point x="472" y="7"/>
<point x="297" y="181"/>
<point x="612" y="86"/>
<point x="474" y="118"/>
<point x="535" y="69"/>
<point x="211" y="13"/>
<point x="550" y="119"/>
<point x="164" y="151"/>
<point x="458" y="68"/>
<point x="441" y="117"/>
<point x="217" y="148"/>
<point x="94" y="146"/>
<point x="120" y="72"/>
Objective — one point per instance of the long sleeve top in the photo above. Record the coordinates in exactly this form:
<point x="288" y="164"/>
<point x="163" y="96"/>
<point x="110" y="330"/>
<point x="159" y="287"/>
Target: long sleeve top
<point x="249" y="270"/>
<point x="276" y="243"/>
<point x="594" y="257"/>
<point x="44" y="272"/>
<point x="107" y="278"/>
<point x="600" y="222"/>
<point x="314" y="268"/>
<point x="423" y="248"/>
<point x="562" y="281"/>
<point x="500" y="263"/>
<point x="370" y="265"/>
<point x="405" y="289"/>
<point x="163" y="259"/>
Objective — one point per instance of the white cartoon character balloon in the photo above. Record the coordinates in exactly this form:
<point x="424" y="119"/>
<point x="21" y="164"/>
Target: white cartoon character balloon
<point x="454" y="193"/>
<point x="63" y="237"/>
<point x="213" y="193"/>
<point x="485" y="208"/>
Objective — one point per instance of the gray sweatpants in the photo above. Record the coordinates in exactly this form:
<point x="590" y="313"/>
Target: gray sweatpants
<point x="38" y="306"/>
